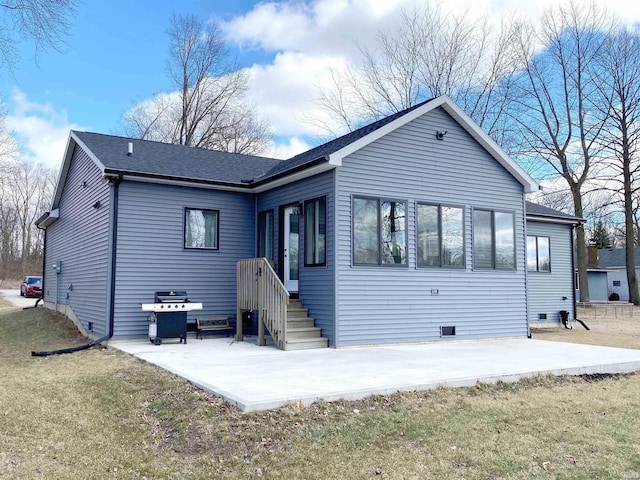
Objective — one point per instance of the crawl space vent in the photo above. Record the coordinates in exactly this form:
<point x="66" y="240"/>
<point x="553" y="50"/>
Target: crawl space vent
<point x="448" y="331"/>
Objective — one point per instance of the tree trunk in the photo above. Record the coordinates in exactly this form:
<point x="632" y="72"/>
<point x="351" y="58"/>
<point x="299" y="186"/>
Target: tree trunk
<point x="581" y="246"/>
<point x="629" y="227"/>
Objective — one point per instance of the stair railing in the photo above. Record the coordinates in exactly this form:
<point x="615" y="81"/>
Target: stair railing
<point x="259" y="288"/>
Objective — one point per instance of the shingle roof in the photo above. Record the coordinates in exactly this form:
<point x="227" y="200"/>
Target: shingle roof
<point x="178" y="161"/>
<point x="616" y="257"/>
<point x="542" y="211"/>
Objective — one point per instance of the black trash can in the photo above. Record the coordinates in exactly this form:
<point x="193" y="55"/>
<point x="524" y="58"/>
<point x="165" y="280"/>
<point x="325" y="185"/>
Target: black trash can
<point x="249" y="323"/>
<point x="564" y="318"/>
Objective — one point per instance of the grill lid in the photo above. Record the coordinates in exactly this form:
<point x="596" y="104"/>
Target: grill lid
<point x="171" y="296"/>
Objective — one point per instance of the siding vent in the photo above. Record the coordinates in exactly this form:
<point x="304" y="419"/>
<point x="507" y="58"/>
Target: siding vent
<point x="542" y="316"/>
<point x="448" y="331"/>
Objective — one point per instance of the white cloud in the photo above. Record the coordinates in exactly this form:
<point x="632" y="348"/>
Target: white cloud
<point x="287" y="148"/>
<point x="284" y="91"/>
<point x="305" y="37"/>
<point x="40" y="129"/>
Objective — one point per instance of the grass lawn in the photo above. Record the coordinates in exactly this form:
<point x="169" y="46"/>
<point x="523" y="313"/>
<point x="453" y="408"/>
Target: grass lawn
<point x="101" y="414"/>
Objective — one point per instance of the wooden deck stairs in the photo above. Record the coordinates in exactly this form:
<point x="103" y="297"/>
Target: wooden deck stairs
<point x="301" y="330"/>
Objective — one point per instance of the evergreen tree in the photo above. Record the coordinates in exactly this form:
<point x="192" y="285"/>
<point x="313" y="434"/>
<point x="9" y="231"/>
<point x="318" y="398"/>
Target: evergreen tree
<point x="600" y="236"/>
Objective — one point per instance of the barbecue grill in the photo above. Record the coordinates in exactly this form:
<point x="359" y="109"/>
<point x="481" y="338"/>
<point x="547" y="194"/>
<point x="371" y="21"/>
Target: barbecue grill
<point x="169" y="315"/>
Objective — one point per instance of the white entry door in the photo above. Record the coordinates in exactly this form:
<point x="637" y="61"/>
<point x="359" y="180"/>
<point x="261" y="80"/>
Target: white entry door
<point x="291" y="248"/>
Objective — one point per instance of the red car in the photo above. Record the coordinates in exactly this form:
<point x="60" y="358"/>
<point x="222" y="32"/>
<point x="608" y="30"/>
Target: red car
<point x="31" y="287"/>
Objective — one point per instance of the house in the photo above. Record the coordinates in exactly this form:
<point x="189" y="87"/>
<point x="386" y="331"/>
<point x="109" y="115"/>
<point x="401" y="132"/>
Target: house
<point x="409" y="229"/>
<point x="614" y="260"/>
<point x="550" y="265"/>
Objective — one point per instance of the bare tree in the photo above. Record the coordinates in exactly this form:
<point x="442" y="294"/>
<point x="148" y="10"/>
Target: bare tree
<point x="44" y="21"/>
<point x="551" y="110"/>
<point x="618" y="71"/>
<point x="430" y="53"/>
<point x="208" y="108"/>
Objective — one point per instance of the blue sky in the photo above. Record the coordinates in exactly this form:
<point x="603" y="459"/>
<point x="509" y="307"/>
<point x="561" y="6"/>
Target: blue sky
<point x="116" y="52"/>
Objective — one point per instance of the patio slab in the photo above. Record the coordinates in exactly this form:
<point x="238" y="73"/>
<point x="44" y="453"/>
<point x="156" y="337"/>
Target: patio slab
<point x="259" y="378"/>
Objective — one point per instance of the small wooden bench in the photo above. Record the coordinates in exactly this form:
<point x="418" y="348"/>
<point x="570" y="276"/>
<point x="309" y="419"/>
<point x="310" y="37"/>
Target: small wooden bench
<point x="212" y="324"/>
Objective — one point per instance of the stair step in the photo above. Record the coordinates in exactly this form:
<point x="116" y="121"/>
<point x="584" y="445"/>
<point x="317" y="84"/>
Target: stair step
<point x="306" y="343"/>
<point x="297" y="312"/>
<point x="303" y="332"/>
<point x="300" y="323"/>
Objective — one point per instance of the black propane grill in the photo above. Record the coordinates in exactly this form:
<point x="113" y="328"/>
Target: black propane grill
<point x="169" y="315"/>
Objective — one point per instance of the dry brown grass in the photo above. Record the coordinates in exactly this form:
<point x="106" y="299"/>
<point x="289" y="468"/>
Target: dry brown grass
<point x="611" y="325"/>
<point x="102" y="414"/>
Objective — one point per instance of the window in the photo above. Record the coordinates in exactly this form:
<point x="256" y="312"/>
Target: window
<point x="315" y="221"/>
<point x="440" y="232"/>
<point x="265" y="234"/>
<point x="538" y="254"/>
<point x="379" y="232"/>
<point x="494" y="240"/>
<point x="201" y="229"/>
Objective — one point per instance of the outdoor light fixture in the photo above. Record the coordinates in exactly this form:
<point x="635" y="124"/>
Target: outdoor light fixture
<point x="440" y="134"/>
<point x="96" y="205"/>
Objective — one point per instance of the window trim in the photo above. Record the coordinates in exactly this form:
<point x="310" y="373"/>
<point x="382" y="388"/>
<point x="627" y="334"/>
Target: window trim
<point x="379" y="201"/>
<point x="440" y="237"/>
<point x="306" y="239"/>
<point x="184" y="231"/>
<point x="493" y="239"/>
<point x="537" y="269"/>
<point x="273" y="234"/>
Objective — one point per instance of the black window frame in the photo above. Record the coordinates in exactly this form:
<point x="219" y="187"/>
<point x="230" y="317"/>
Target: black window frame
<point x="537" y="239"/>
<point x="217" y="233"/>
<point x="259" y="247"/>
<point x="379" y="201"/>
<point x="439" y="207"/>
<point x="494" y="265"/>
<point x="313" y="246"/>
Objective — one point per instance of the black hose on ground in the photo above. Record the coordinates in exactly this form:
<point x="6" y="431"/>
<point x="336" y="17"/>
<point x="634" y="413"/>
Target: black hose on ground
<point x="582" y="323"/>
<point x="86" y="346"/>
<point x="37" y="302"/>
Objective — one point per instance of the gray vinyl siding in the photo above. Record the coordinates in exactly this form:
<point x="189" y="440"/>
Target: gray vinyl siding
<point x="547" y="289"/>
<point x="378" y="305"/>
<point x="150" y="254"/>
<point x="80" y="239"/>
<point x="316" y="283"/>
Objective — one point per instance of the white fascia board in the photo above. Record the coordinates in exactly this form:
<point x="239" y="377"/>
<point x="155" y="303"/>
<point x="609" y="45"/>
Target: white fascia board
<point x="489" y="144"/>
<point x="540" y="218"/>
<point x="465" y="122"/>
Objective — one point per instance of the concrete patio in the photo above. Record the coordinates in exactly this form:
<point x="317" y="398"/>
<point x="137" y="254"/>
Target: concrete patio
<point x="258" y="378"/>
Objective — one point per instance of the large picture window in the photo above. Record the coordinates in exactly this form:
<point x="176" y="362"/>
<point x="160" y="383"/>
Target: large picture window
<point x="379" y="232"/>
<point x="315" y="221"/>
<point x="494" y="240"/>
<point x="201" y="229"/>
<point x="440" y="233"/>
<point x="265" y="234"/>
<point x="538" y="254"/>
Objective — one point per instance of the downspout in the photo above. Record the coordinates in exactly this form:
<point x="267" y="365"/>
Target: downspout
<point x="526" y="270"/>
<point x="113" y="229"/>
<point x="573" y="273"/>
<point x="115" y="188"/>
